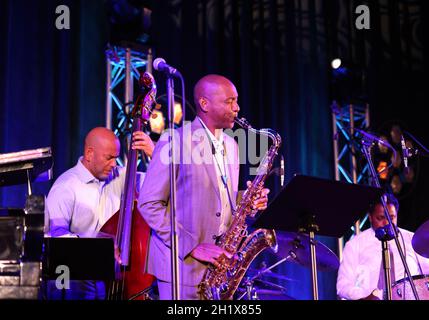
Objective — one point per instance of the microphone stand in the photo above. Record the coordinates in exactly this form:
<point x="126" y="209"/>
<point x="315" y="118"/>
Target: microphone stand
<point x="366" y="144"/>
<point x="384" y="236"/>
<point x="175" y="284"/>
<point x="387" y="268"/>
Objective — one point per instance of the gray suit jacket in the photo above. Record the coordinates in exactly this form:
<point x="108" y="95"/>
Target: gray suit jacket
<point x="197" y="201"/>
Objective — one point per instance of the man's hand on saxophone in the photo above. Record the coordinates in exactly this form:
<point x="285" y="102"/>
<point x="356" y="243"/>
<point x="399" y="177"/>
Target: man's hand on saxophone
<point x="261" y="199"/>
<point x="209" y="252"/>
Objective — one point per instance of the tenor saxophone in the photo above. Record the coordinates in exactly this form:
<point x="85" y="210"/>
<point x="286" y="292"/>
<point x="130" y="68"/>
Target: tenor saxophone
<point x="221" y="282"/>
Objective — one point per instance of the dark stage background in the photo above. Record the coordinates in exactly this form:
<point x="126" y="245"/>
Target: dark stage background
<point x="278" y="53"/>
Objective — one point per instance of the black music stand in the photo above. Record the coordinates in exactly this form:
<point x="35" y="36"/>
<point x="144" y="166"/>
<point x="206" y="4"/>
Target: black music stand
<point x="310" y="205"/>
<point x="86" y="258"/>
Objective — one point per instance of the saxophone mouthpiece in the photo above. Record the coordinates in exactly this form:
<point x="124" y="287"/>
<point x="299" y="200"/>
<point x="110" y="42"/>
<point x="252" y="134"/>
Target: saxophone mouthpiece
<point x="242" y="122"/>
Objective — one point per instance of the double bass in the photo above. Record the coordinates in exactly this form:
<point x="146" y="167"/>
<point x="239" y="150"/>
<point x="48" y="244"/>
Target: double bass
<point x="130" y="230"/>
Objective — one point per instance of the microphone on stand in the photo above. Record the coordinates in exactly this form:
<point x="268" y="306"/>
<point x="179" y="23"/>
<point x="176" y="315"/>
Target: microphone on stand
<point x="373" y="138"/>
<point x="160" y="65"/>
<point x="405" y="154"/>
<point x="414" y="151"/>
<point x="282" y="171"/>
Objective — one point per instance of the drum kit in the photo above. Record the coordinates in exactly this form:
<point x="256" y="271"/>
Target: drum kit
<point x="420" y="240"/>
<point x="294" y="247"/>
<point x="401" y="290"/>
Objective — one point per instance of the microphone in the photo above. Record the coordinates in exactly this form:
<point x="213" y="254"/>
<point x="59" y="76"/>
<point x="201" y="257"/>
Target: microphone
<point x="373" y="138"/>
<point x="386" y="232"/>
<point x="160" y="65"/>
<point x="405" y="154"/>
<point x="282" y="171"/>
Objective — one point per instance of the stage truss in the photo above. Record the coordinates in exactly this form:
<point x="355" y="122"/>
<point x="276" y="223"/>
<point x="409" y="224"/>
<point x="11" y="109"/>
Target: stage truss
<point x="344" y="120"/>
<point x="123" y="67"/>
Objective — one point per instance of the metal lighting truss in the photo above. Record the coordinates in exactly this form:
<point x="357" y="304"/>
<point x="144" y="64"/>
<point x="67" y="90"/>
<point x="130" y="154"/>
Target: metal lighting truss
<point x="344" y="120"/>
<point x="123" y="66"/>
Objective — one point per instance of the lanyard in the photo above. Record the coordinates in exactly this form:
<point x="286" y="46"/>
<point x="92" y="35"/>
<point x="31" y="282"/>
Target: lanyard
<point x="224" y="176"/>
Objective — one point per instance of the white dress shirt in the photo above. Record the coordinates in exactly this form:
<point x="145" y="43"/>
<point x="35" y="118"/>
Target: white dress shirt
<point x="359" y="272"/>
<point x="221" y="170"/>
<point x="80" y="204"/>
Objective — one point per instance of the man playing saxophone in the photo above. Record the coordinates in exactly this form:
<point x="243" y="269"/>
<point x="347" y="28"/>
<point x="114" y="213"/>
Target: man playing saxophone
<point x="207" y="189"/>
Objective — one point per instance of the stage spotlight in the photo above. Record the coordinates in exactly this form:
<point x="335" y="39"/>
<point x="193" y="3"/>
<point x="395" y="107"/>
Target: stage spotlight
<point x="392" y="172"/>
<point x="347" y="81"/>
<point x="157" y="123"/>
<point x="340" y="68"/>
<point x="336" y="63"/>
<point x="178" y="112"/>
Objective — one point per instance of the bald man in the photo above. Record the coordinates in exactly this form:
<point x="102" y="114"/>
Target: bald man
<point x="207" y="188"/>
<point x="84" y="197"/>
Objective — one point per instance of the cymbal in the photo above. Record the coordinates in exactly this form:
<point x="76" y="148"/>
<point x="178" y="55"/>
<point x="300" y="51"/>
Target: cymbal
<point x="297" y="247"/>
<point x="268" y="274"/>
<point x="267" y="284"/>
<point x="265" y="294"/>
<point x="276" y="276"/>
<point x="272" y="295"/>
<point x="420" y="241"/>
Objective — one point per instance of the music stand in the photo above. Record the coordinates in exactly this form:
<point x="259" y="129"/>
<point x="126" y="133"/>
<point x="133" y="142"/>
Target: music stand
<point x="86" y="258"/>
<point x="311" y="205"/>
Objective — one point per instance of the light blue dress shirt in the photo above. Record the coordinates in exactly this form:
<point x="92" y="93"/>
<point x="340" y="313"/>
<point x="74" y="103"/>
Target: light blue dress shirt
<point x="79" y="204"/>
